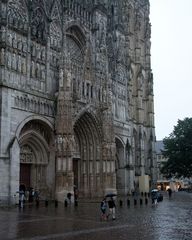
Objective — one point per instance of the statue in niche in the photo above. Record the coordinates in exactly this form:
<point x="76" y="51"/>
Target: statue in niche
<point x="61" y="75"/>
<point x="9" y="39"/>
<point x="104" y="95"/>
<point x="2" y="56"/>
<point x="59" y="142"/>
<point x="3" y="34"/>
<point x="140" y="80"/>
<point x="13" y="62"/>
<point x="19" y="64"/>
<point x="138" y="23"/>
<point x="37" y="70"/>
<point x="32" y="69"/>
<point x="43" y="54"/>
<point x="14" y="42"/>
<point x="19" y="45"/>
<point x="23" y="66"/>
<point x="72" y="143"/>
<point x="148" y="30"/>
<point x="128" y="150"/>
<point x="68" y="83"/>
<point x="43" y="72"/>
<point x="24" y="46"/>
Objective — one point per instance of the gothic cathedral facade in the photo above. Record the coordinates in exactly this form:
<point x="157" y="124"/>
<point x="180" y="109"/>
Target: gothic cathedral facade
<point x="76" y="94"/>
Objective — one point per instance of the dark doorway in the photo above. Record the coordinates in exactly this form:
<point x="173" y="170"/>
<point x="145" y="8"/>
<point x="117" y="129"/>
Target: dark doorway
<point x="75" y="171"/>
<point x="25" y="174"/>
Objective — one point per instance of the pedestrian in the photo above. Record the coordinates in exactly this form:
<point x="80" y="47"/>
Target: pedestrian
<point x="21" y="198"/>
<point x="36" y="196"/>
<point x="69" y="197"/>
<point x="154" y="196"/>
<point x="22" y="189"/>
<point x="76" y="196"/>
<point x="112" y="206"/>
<point x="103" y="208"/>
<point x="169" y="192"/>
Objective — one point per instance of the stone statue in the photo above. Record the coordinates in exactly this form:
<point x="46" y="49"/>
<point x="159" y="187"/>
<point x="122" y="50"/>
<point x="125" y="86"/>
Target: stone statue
<point x="61" y="77"/>
<point x="68" y="83"/>
<point x="2" y="56"/>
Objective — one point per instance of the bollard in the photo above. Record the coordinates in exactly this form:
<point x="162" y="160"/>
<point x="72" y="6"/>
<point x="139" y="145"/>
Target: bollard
<point x="142" y="194"/>
<point x="66" y="203"/>
<point x="145" y="194"/>
<point x="148" y="194"/>
<point x="120" y="203"/>
<point x="141" y="201"/>
<point x="46" y="203"/>
<point x="146" y="201"/>
<point x="56" y="203"/>
<point x="128" y="202"/>
<point x="135" y="201"/>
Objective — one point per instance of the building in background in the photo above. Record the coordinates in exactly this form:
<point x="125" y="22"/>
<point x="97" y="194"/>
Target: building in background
<point x="76" y="97"/>
<point x="164" y="183"/>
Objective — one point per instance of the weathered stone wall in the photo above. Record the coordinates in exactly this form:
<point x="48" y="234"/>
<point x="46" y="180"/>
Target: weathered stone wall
<point x="84" y="67"/>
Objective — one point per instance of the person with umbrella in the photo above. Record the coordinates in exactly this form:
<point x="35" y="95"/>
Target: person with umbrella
<point x="112" y="205"/>
<point x="154" y="196"/>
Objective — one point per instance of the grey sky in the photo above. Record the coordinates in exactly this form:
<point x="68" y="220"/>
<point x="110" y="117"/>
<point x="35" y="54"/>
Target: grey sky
<point x="171" y="52"/>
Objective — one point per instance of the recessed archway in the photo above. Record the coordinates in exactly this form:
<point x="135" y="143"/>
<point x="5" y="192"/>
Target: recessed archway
<point x="120" y="165"/>
<point x="89" y="166"/>
<point x="35" y="141"/>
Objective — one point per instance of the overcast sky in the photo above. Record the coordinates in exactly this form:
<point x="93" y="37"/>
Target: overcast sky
<point x="171" y="56"/>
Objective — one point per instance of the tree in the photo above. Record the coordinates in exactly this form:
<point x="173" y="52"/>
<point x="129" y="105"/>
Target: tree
<point x="178" y="150"/>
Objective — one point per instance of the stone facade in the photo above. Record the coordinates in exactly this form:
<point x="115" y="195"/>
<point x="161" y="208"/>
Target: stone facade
<point x="76" y="94"/>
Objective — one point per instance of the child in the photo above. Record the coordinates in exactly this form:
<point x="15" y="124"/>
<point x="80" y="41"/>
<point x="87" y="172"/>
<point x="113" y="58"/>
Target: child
<point x="103" y="209"/>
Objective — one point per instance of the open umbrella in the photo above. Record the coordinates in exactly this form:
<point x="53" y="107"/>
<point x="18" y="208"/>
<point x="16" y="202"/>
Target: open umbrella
<point x="110" y="195"/>
<point x="154" y="190"/>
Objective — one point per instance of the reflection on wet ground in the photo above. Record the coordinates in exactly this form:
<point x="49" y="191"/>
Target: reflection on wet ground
<point x="170" y="220"/>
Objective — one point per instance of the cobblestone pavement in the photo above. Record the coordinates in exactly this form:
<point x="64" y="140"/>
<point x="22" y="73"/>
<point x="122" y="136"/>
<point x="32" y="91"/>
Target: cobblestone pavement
<point x="170" y="220"/>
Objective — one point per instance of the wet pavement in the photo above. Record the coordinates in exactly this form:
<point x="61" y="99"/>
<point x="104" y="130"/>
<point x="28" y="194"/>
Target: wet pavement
<point x="170" y="220"/>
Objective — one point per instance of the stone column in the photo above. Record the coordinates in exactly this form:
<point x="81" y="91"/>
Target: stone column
<point x="14" y="173"/>
<point x="5" y="129"/>
<point x="64" y="137"/>
<point x="108" y="149"/>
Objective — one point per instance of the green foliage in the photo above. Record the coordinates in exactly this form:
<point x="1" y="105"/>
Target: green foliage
<point x="178" y="150"/>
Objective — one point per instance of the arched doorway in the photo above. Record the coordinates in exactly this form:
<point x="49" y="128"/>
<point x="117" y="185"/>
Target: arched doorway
<point x="120" y="166"/>
<point x="36" y="165"/>
<point x="88" y="167"/>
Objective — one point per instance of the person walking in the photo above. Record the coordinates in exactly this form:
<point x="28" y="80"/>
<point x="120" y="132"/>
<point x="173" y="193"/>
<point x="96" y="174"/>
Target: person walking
<point x="21" y="198"/>
<point x="169" y="192"/>
<point x="103" y="208"/>
<point x="154" y="197"/>
<point x="112" y="206"/>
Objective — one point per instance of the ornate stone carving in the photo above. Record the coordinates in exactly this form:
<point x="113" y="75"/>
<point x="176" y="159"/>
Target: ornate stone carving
<point x="17" y="14"/>
<point x="26" y="155"/>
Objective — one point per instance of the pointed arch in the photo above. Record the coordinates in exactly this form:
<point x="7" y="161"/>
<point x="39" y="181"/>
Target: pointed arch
<point x="120" y="152"/>
<point x="90" y="162"/>
<point x="56" y="27"/>
<point x="39" y="21"/>
<point x="17" y="14"/>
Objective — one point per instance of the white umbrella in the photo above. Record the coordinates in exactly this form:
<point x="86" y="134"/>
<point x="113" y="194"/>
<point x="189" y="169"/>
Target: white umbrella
<point x="154" y="190"/>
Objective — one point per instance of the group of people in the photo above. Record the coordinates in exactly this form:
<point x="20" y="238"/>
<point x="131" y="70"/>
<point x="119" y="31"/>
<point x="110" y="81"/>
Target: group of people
<point x="156" y="196"/>
<point x="105" y="205"/>
<point x="27" y="195"/>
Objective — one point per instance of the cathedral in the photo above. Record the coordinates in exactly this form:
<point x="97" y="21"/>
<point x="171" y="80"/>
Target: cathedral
<point x="76" y="94"/>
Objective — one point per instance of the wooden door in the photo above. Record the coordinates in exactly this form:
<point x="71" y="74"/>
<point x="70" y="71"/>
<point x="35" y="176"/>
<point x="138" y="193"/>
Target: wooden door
<point x="25" y="174"/>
